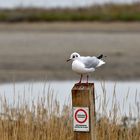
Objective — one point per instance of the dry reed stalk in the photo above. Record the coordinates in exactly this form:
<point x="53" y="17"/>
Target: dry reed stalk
<point x="45" y="120"/>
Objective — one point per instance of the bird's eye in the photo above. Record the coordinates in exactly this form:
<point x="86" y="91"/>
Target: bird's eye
<point x="76" y="55"/>
<point x="73" y="56"/>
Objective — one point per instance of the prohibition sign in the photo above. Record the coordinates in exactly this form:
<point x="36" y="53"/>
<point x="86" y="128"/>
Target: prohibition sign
<point x="76" y="118"/>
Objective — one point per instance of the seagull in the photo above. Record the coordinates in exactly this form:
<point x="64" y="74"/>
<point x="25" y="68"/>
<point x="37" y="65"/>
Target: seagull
<point x="85" y="64"/>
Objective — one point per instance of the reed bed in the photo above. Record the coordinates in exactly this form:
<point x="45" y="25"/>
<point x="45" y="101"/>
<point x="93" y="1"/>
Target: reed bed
<point x="46" y="120"/>
<point x="106" y="12"/>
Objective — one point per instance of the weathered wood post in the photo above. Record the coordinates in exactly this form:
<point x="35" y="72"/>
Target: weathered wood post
<point x="83" y="105"/>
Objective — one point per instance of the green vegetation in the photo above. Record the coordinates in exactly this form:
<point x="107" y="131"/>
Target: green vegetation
<point x="107" y="12"/>
<point x="44" y="120"/>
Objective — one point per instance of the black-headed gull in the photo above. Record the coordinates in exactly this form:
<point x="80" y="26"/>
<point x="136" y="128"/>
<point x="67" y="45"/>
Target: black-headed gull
<point x="85" y="64"/>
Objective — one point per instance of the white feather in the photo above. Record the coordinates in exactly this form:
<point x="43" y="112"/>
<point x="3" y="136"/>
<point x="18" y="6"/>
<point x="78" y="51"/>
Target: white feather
<point x="101" y="62"/>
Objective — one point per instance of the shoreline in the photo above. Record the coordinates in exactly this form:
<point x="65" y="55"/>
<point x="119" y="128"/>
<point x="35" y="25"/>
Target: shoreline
<point x="30" y="51"/>
<point x="72" y="27"/>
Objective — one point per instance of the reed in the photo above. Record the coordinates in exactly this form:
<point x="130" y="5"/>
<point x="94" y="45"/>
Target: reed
<point x="44" y="119"/>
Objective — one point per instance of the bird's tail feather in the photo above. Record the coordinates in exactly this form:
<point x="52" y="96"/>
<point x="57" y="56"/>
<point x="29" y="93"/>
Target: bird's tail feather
<point x="101" y="56"/>
<point x="101" y="62"/>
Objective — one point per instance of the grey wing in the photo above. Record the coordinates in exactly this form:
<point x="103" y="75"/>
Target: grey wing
<point x="90" y="62"/>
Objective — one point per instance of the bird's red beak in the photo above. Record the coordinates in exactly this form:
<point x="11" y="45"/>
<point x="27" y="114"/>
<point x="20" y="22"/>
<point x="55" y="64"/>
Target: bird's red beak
<point x="68" y="60"/>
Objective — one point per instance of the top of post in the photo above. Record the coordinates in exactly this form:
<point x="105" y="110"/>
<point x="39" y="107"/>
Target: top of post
<point x="83" y="86"/>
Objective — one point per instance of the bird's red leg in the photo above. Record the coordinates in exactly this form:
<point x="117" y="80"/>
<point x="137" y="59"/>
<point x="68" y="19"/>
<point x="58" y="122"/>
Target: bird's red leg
<point x="80" y="79"/>
<point x="87" y="79"/>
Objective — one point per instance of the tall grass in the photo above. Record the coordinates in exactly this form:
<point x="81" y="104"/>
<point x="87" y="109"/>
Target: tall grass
<point x="45" y="120"/>
<point x="106" y="12"/>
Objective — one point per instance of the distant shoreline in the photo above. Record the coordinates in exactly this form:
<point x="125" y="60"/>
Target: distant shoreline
<point x="103" y="13"/>
<point x="38" y="51"/>
<point x="123" y="27"/>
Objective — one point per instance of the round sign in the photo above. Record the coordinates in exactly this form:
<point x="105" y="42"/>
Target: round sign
<point x="81" y="116"/>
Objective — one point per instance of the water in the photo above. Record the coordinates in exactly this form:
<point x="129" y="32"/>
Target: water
<point x="127" y="93"/>
<point x="56" y="3"/>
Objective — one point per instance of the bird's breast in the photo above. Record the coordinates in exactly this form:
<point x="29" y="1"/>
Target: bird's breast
<point x="78" y="67"/>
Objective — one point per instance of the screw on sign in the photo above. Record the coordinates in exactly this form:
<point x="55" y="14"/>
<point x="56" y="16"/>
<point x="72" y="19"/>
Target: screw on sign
<point x="81" y="119"/>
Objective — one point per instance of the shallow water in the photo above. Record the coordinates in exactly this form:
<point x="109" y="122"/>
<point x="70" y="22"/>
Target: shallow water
<point x="127" y="94"/>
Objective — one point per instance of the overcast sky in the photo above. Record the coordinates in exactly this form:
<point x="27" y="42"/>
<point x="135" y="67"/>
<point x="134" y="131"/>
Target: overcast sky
<point x="55" y="3"/>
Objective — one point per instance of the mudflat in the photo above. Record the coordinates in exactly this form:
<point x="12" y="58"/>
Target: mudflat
<point x="38" y="51"/>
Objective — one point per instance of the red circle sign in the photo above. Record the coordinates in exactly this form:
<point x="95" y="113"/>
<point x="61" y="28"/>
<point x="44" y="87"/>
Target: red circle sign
<point x="82" y="110"/>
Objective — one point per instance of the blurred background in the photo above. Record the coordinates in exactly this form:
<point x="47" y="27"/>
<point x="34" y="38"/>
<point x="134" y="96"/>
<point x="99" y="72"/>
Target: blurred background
<point x="36" y="38"/>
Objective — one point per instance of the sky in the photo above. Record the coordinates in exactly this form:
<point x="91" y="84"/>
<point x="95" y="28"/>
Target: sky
<point x="55" y="3"/>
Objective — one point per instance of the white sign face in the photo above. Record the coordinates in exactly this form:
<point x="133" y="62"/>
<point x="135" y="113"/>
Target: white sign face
<point x="81" y="119"/>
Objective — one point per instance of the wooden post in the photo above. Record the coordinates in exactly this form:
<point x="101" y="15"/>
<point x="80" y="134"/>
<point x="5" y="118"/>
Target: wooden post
<point x="83" y="96"/>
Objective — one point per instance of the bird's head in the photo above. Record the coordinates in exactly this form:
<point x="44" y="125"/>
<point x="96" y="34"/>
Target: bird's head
<point x="74" y="56"/>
